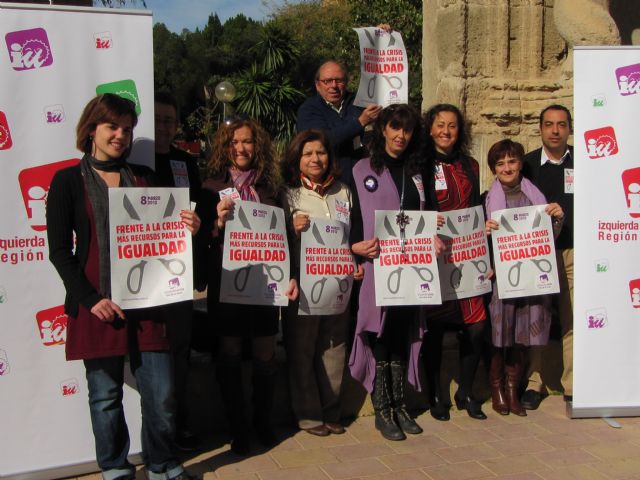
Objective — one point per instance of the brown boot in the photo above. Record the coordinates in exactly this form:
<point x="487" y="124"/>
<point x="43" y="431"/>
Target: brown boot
<point x="514" y="374"/>
<point x="496" y="383"/>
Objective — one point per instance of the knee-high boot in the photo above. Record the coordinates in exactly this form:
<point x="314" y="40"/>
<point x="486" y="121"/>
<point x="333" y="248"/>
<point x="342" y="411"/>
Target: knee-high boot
<point x="406" y="423"/>
<point x="496" y="383"/>
<point x="264" y="384"/>
<point x="381" y="399"/>
<point x="514" y="369"/>
<point x="229" y="373"/>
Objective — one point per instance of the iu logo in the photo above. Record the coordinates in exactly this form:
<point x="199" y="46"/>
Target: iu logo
<point x="125" y="88"/>
<point x="103" y="40"/>
<point x="34" y="184"/>
<point x="631" y="183"/>
<point x="52" y="324"/>
<point x="4" y="363"/>
<point x="54" y="114"/>
<point x="596" y="319"/>
<point x="69" y="387"/>
<point x="5" y="133"/>
<point x="634" y="291"/>
<point x="601" y="142"/>
<point x="29" y="49"/>
<point x="628" y="79"/>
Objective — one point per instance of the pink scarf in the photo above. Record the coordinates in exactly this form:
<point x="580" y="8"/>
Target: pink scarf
<point x="243" y="182"/>
<point x="497" y="199"/>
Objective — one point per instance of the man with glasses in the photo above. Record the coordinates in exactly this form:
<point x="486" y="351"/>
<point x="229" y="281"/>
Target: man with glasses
<point x="176" y="168"/>
<point x="332" y="110"/>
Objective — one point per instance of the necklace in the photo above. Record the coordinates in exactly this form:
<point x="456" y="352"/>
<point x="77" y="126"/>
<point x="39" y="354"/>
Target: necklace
<point x="402" y="219"/>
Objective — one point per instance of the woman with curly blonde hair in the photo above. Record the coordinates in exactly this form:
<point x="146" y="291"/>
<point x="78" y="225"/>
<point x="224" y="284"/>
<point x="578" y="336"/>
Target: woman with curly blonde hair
<point x="243" y="167"/>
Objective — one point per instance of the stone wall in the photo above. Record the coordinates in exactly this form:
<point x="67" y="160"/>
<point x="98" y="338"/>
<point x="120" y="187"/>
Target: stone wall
<point x="503" y="61"/>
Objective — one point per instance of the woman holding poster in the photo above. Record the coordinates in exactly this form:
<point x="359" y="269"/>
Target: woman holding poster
<point x="518" y="322"/>
<point x="243" y="167"/>
<point x="457" y="186"/>
<point x="316" y="344"/>
<point x="386" y="338"/>
<point x="99" y="332"/>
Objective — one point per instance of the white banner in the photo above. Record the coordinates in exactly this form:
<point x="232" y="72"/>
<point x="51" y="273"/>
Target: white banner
<point x="384" y="69"/>
<point x="406" y="271"/>
<point x="151" y="261"/>
<point x="524" y="254"/>
<point x="53" y="60"/>
<point x="255" y="262"/>
<point x="606" y="380"/>
<point x="465" y="262"/>
<point x="326" y="268"/>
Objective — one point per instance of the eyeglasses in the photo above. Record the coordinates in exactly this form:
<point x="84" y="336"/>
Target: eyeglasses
<point x="329" y="81"/>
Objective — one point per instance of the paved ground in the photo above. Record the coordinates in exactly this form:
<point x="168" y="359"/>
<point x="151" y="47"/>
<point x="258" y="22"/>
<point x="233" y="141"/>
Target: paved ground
<point x="544" y="445"/>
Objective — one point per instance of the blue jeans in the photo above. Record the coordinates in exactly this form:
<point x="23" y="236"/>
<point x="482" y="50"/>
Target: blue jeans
<point x="105" y="378"/>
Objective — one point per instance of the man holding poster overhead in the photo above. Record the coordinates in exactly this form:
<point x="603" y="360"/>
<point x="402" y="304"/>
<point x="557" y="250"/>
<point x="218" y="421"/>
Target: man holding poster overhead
<point x="550" y="168"/>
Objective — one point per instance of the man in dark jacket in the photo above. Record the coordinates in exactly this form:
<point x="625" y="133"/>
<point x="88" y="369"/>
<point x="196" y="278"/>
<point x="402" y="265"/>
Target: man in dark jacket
<point x="550" y="168"/>
<point x="176" y="168"/>
<point x="332" y="110"/>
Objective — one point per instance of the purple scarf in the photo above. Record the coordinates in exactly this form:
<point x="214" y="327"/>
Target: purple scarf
<point x="243" y="182"/>
<point x="497" y="199"/>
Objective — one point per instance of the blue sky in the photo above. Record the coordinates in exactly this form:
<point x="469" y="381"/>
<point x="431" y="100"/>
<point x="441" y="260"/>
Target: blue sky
<point x="192" y="14"/>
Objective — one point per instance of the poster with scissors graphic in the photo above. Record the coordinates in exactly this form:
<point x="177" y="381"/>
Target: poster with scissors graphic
<point x="406" y="271"/>
<point x="524" y="253"/>
<point x="326" y="268"/>
<point x="384" y="69"/>
<point x="465" y="262"/>
<point x="255" y="262"/>
<point x="151" y="261"/>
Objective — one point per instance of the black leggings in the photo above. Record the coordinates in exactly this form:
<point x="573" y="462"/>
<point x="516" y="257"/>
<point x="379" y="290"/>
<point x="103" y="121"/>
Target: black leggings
<point x="393" y="344"/>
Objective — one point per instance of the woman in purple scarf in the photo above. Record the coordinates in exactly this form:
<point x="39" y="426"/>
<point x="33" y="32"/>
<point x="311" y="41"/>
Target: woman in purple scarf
<point x="516" y="323"/>
<point x="242" y="166"/>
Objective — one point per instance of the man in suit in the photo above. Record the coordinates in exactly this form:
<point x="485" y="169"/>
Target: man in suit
<point x="550" y="168"/>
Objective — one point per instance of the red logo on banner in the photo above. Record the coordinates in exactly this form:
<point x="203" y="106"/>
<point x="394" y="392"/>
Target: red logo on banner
<point x="52" y="324"/>
<point x="5" y="133"/>
<point x="69" y="387"/>
<point x="601" y="142"/>
<point x="34" y="184"/>
<point x="103" y="40"/>
<point x="631" y="183"/>
<point x="634" y="290"/>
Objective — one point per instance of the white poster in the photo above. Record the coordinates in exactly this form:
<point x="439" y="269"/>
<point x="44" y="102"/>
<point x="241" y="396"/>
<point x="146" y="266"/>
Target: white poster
<point x="406" y="271"/>
<point x="465" y="262"/>
<point x="524" y="254"/>
<point x="384" y="69"/>
<point x="255" y="262"/>
<point x="53" y="60"/>
<point x="151" y="260"/>
<point x="606" y="380"/>
<point x="326" y="268"/>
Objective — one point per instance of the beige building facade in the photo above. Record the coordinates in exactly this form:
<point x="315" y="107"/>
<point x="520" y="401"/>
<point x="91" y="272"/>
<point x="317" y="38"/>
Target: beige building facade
<point x="503" y="61"/>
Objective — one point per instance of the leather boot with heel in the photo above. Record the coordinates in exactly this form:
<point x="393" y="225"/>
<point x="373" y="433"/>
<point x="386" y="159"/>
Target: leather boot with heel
<point x="406" y="423"/>
<point x="381" y="399"/>
<point x="496" y="383"/>
<point x="514" y="370"/>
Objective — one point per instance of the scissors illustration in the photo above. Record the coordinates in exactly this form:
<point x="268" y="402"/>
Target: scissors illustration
<point x="393" y="81"/>
<point x="243" y="219"/>
<point x="396" y="288"/>
<point x="316" y="293"/>
<point x="542" y="264"/>
<point x="137" y="267"/>
<point x="241" y="278"/>
<point x="419" y="271"/>
<point x="480" y="265"/>
<point x="129" y="208"/>
<point x="167" y="264"/>
<point x="456" y="277"/>
<point x="171" y="205"/>
<point x="372" y="41"/>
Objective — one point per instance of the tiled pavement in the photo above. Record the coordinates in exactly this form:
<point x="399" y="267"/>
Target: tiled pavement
<point x="544" y="445"/>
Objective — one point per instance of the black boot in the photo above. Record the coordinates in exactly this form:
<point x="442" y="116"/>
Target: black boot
<point x="229" y="373"/>
<point x="264" y="385"/>
<point x="381" y="399"/>
<point x="470" y="339"/>
<point x="407" y="424"/>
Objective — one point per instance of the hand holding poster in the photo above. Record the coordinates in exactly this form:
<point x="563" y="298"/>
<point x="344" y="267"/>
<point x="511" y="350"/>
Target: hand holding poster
<point x="384" y="69"/>
<point x="465" y="262"/>
<point x="151" y="261"/>
<point x="406" y="271"/>
<point x="524" y="254"/>
<point x="326" y="268"/>
<point x="255" y="262"/>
